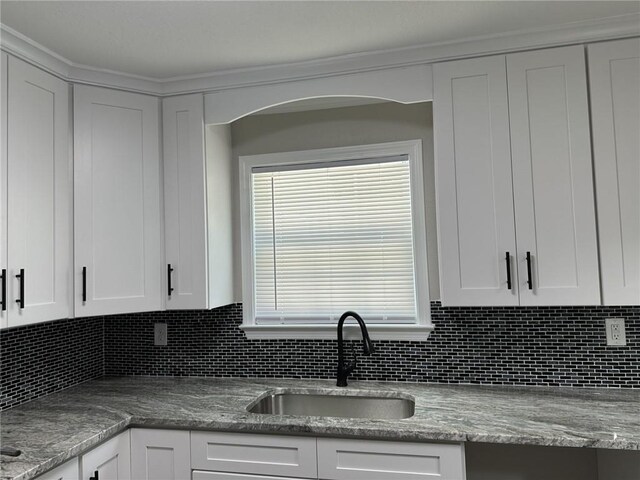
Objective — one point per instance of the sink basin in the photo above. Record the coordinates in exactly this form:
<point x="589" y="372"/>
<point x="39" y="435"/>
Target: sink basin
<point x="333" y="405"/>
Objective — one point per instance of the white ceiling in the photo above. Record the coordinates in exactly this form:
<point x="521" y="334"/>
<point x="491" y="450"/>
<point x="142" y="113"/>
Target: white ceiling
<point x="161" y="39"/>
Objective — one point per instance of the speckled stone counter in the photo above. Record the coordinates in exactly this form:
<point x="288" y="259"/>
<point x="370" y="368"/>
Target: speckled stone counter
<point x="55" y="428"/>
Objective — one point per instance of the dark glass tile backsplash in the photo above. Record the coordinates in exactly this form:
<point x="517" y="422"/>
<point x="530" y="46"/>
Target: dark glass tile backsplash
<point x="560" y="346"/>
<point x="492" y="345"/>
<point x="39" y="359"/>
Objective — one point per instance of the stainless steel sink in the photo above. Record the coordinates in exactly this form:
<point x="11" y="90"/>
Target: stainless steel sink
<point x="333" y="405"/>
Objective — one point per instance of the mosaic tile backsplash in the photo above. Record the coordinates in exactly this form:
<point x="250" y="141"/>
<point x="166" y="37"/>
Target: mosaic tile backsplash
<point x="552" y="346"/>
<point x="39" y="359"/>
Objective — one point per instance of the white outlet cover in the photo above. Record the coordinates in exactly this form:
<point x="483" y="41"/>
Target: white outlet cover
<point x="616" y="334"/>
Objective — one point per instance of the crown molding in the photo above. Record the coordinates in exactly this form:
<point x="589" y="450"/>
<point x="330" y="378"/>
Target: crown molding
<point x="557" y="35"/>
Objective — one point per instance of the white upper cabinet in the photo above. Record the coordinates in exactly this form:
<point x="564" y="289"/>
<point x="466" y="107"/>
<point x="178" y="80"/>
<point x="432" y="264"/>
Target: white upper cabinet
<point x="197" y="206"/>
<point x="477" y="242"/>
<point x="3" y="190"/>
<point x="118" y="234"/>
<point x="614" y="77"/>
<point x="553" y="180"/>
<point x="515" y="144"/>
<point x="185" y="200"/>
<point x="38" y="196"/>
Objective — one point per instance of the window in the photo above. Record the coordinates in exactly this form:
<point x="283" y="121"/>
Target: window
<point x="325" y="231"/>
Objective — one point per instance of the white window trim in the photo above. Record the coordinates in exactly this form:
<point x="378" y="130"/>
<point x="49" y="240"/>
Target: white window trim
<point x="417" y="331"/>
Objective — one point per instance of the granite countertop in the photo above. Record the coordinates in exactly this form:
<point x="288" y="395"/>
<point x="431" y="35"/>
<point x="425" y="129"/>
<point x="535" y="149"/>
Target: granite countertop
<point x="55" y="428"/>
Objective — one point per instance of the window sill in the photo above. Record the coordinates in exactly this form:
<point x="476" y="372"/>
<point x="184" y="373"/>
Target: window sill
<point x="328" y="332"/>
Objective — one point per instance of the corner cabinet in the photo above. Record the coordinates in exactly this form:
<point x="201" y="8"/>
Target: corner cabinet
<point x="515" y="198"/>
<point x="36" y="196"/>
<point x="197" y="207"/>
<point x="614" y="79"/>
<point x="117" y="204"/>
<point x="109" y="461"/>
<point x="67" y="471"/>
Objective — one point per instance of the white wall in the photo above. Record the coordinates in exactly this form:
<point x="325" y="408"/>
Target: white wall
<point x="339" y="127"/>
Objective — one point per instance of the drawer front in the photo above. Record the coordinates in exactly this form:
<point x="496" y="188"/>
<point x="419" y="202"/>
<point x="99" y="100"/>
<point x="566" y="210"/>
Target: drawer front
<point x="340" y="459"/>
<point x="255" y="454"/>
<point x="200" y="475"/>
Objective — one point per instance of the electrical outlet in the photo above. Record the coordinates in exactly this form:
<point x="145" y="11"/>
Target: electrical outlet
<point x="160" y="334"/>
<point x="615" y="331"/>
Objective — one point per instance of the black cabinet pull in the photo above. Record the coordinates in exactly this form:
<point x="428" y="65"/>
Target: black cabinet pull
<point x="529" y="281"/>
<point x="20" y="300"/>
<point x="508" y="260"/>
<point x="84" y="284"/>
<point x="169" y="270"/>
<point x="3" y="301"/>
<point x="95" y="476"/>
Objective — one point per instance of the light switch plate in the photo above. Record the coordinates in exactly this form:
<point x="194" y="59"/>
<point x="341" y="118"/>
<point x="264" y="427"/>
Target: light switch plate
<point x="616" y="331"/>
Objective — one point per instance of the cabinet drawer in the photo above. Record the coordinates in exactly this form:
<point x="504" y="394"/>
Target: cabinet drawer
<point x="200" y="475"/>
<point x="379" y="460"/>
<point x="259" y="454"/>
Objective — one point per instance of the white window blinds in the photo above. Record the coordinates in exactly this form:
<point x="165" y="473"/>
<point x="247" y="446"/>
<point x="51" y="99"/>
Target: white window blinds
<point x="330" y="237"/>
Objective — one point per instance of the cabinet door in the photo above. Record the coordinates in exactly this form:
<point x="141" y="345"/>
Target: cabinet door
<point x="111" y="460"/>
<point x="160" y="454"/>
<point x="474" y="187"/>
<point x="117" y="202"/>
<point x="39" y="196"/>
<point x="67" y="471"/>
<point x="614" y="77"/>
<point x="343" y="459"/>
<point x="185" y="202"/>
<point x="3" y="189"/>
<point x="553" y="180"/>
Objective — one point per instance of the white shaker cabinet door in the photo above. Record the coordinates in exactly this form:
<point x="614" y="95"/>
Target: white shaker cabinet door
<point x="553" y="180"/>
<point x="109" y="461"/>
<point x="160" y="454"/>
<point x="476" y="229"/>
<point x="118" y="234"/>
<point x="39" y="196"/>
<point x="3" y="190"/>
<point x="67" y="471"/>
<point x="614" y="77"/>
<point x="185" y="202"/>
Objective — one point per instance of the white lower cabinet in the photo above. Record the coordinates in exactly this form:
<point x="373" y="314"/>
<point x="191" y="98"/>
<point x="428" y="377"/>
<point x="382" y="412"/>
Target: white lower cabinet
<point x="342" y="459"/>
<point x="109" y="461"/>
<point x="280" y="455"/>
<point x="160" y="454"/>
<point x="67" y="471"/>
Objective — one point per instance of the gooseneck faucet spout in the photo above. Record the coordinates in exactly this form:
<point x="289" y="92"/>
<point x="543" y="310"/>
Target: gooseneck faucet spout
<point x="367" y="347"/>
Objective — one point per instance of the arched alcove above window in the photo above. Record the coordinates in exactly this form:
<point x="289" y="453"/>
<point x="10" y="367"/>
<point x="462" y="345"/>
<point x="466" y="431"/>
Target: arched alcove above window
<point x="403" y="85"/>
